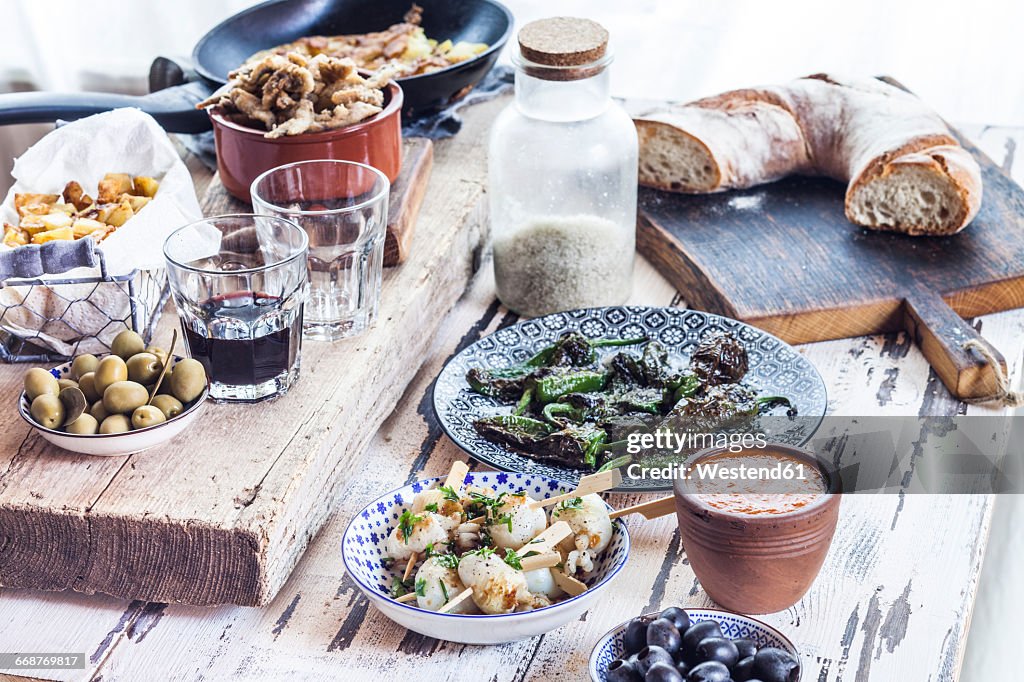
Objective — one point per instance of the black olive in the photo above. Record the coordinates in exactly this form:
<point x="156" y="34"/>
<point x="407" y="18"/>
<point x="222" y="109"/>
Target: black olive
<point x="682" y="667"/>
<point x="661" y="632"/>
<point x="635" y="637"/>
<point x="623" y="671"/>
<point x="694" y="634"/>
<point x="776" y="665"/>
<point x="709" y="671"/>
<point x="648" y="656"/>
<point x="744" y="670"/>
<point x="746" y="647"/>
<point x="678" y="617"/>
<point x="663" y="672"/>
<point x="719" y="649"/>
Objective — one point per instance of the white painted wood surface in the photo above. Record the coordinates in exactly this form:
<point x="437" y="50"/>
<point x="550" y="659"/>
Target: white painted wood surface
<point x="893" y="601"/>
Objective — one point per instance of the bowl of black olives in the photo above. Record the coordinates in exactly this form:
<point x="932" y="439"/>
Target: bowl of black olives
<point x="694" y="645"/>
<point x="135" y="398"/>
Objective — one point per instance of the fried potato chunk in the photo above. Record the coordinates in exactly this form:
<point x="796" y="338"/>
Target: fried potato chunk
<point x="73" y="214"/>
<point x="112" y="186"/>
<point x="143" y="186"/>
<point x="120" y="215"/>
<point x="15" y="236"/>
<point x="53" y="235"/>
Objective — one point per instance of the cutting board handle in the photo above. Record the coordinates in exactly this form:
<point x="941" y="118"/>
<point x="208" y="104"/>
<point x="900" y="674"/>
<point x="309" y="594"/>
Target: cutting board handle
<point x="941" y="333"/>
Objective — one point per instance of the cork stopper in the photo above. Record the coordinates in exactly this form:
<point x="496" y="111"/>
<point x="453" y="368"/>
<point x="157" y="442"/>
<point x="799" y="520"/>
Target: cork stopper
<point x="563" y="41"/>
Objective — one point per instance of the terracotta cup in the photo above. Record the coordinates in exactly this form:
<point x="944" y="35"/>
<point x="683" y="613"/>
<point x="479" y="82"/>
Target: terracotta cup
<point x="758" y="563"/>
<point x="243" y="153"/>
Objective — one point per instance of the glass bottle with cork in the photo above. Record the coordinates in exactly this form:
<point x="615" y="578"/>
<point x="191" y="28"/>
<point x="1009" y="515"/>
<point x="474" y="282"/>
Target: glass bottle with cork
<point x="562" y="174"/>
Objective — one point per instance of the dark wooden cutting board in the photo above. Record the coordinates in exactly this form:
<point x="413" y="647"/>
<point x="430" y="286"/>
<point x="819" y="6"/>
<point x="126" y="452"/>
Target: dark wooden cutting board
<point x="784" y="257"/>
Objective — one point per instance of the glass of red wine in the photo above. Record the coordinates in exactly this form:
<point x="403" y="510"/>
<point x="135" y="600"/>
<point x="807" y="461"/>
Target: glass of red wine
<point x="240" y="283"/>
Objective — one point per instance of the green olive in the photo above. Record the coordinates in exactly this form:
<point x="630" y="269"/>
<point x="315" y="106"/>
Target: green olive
<point x="147" y="415"/>
<point x="39" y="382"/>
<point x="116" y="423"/>
<point x="111" y="370"/>
<point x="84" y="364"/>
<point x="83" y="426"/>
<point x="74" y="403"/>
<point x="188" y="380"/>
<point x="99" y="411"/>
<point x="169" y="405"/>
<point x="144" y="368"/>
<point x="67" y="383"/>
<point x="127" y="344"/>
<point x="87" y="383"/>
<point x="48" y="411"/>
<point x="160" y="353"/>
<point x="123" y="397"/>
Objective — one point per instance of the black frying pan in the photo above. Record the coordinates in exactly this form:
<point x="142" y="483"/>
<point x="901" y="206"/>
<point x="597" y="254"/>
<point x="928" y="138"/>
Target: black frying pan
<point x="272" y="23"/>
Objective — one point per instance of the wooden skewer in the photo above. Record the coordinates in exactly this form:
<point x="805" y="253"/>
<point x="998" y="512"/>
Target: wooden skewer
<point x="456" y="600"/>
<point x="571" y="586"/>
<point x="413" y="558"/>
<point x="406" y="598"/>
<point x="167" y="365"/>
<point x="456" y="477"/>
<point x="546" y="541"/>
<point x="546" y="560"/>
<point x="594" y="483"/>
<point x="651" y="510"/>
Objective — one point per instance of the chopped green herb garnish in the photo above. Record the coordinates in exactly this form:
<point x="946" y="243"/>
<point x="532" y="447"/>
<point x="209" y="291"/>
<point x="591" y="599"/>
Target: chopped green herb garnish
<point x="398" y="588"/>
<point x="513" y="559"/>
<point x="505" y="519"/>
<point x="432" y="507"/>
<point x="447" y="560"/>
<point x="444" y="591"/>
<point x="483" y="552"/>
<point x="407" y="523"/>
<point x="449" y="493"/>
<point x="421" y="587"/>
<point x="574" y="503"/>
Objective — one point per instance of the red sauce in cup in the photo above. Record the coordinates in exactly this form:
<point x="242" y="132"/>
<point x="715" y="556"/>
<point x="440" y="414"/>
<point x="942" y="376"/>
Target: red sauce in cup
<point x="721" y="484"/>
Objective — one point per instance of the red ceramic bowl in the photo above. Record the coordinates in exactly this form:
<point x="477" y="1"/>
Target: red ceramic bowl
<point x="243" y="153"/>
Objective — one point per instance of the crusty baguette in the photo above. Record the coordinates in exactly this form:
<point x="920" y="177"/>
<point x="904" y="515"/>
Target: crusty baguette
<point x="905" y="170"/>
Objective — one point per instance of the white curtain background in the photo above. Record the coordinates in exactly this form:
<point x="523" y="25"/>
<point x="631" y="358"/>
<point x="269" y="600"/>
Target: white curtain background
<point x="964" y="58"/>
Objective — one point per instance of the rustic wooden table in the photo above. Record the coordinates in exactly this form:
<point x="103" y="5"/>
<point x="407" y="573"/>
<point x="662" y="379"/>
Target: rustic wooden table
<point x="893" y="600"/>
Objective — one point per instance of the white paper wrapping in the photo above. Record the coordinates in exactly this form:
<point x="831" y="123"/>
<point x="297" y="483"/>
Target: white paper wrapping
<point x="119" y="141"/>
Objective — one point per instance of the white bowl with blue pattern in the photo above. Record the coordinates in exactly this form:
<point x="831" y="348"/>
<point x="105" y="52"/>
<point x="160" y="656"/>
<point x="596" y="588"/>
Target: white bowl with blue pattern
<point x="115" y="444"/>
<point x="733" y="625"/>
<point x="363" y="546"/>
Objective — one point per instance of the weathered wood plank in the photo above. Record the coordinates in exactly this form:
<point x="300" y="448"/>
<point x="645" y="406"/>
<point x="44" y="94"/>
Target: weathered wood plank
<point x="180" y="523"/>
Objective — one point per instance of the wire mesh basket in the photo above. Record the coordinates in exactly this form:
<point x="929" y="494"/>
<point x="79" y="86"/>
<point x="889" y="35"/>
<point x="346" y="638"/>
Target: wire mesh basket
<point x="51" y="319"/>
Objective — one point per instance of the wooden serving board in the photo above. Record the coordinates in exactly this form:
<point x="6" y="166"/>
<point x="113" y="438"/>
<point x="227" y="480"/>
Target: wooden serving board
<point x="784" y="257"/>
<point x="223" y="512"/>
<point x="406" y="197"/>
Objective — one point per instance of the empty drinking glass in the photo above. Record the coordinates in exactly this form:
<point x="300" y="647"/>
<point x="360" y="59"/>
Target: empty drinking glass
<point x="343" y="207"/>
<point x="239" y="283"/>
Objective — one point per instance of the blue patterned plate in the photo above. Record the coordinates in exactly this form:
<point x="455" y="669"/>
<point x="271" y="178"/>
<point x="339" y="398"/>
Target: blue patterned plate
<point x="733" y="625"/>
<point x="776" y="368"/>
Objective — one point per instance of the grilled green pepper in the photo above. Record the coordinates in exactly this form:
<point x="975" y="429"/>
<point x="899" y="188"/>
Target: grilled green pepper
<point x="550" y="389"/>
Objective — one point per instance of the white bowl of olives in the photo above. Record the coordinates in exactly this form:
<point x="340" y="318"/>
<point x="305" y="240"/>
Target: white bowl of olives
<point x="116" y="404"/>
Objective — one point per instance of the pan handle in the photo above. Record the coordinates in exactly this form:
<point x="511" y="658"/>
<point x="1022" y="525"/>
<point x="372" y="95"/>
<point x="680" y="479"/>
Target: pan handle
<point x="173" y="108"/>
